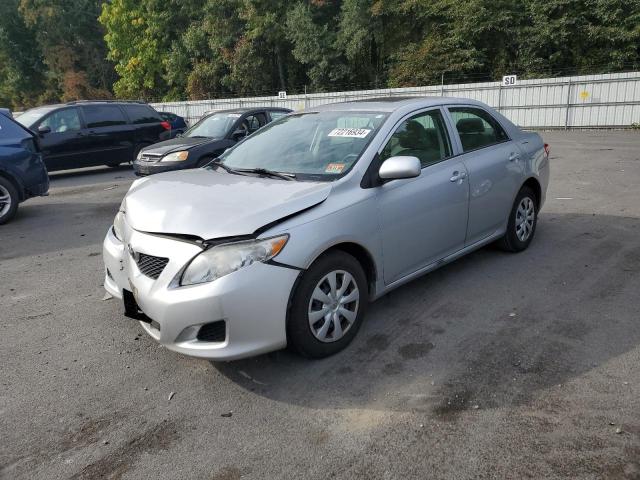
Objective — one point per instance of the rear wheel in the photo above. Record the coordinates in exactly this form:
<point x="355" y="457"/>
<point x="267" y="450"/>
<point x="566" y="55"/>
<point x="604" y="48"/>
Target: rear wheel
<point x="522" y="222"/>
<point x="328" y="306"/>
<point x="8" y="200"/>
<point x="136" y="151"/>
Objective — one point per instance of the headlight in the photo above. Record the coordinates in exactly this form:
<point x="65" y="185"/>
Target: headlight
<point x="175" y="157"/>
<point x="225" y="259"/>
<point x="118" y="223"/>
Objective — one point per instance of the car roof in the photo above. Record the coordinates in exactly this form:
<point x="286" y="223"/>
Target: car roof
<point x="87" y="102"/>
<point x="250" y="109"/>
<point x="392" y="103"/>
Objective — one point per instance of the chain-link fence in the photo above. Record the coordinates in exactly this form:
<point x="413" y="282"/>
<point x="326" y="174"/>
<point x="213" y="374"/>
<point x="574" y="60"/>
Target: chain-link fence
<point x="587" y="101"/>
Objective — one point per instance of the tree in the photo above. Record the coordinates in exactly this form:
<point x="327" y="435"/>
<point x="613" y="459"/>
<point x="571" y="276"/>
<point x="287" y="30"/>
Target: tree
<point x="580" y="36"/>
<point x="22" y="70"/>
<point x="70" y="39"/>
<point x="139" y="35"/>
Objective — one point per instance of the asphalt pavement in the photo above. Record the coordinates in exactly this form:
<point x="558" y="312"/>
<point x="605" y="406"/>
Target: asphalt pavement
<point x="499" y="365"/>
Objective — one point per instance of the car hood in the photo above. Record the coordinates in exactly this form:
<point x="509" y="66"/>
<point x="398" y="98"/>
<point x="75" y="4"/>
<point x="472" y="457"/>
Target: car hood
<point x="211" y="204"/>
<point x="177" y="144"/>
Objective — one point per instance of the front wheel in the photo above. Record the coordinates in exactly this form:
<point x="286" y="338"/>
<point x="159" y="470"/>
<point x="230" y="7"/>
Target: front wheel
<point x="522" y="222"/>
<point x="328" y="306"/>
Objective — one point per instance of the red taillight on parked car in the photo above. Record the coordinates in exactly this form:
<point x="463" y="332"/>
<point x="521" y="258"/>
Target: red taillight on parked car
<point x="547" y="149"/>
<point x="166" y="125"/>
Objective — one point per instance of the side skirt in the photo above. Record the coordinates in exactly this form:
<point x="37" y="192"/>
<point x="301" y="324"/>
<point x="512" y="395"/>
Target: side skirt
<point x="438" y="263"/>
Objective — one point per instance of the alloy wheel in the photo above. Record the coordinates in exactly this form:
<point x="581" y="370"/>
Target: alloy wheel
<point x="333" y="307"/>
<point x="5" y="201"/>
<point x="525" y="218"/>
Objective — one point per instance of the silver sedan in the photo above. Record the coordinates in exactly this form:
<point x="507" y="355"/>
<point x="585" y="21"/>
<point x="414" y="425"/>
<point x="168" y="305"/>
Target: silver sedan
<point x="287" y="237"/>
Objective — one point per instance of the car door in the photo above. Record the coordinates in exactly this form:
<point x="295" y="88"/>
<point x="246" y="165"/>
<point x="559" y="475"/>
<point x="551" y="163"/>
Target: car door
<point x="422" y="219"/>
<point x="494" y="165"/>
<point x="65" y="144"/>
<point x="109" y="136"/>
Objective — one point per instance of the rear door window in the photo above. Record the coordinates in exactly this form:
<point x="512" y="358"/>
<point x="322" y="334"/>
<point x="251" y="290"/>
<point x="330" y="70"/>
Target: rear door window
<point x="140" y="114"/>
<point x="103" y="116"/>
<point x="476" y="128"/>
<point x="61" y="121"/>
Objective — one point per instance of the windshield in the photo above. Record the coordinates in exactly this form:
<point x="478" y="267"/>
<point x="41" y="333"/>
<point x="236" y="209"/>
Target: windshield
<point x="30" y="117"/>
<point x="318" y="145"/>
<point x="214" y="126"/>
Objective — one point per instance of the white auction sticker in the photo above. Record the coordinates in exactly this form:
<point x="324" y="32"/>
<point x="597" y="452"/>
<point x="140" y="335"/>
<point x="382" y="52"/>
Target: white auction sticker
<point x="349" y="132"/>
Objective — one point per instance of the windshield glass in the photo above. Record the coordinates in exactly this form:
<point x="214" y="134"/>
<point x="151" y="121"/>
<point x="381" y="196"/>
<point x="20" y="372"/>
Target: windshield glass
<point x="318" y="145"/>
<point x="214" y="126"/>
<point x="30" y="117"/>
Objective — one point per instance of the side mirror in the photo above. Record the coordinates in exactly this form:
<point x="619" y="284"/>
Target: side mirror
<point x="44" y="129"/>
<point x="400" y="167"/>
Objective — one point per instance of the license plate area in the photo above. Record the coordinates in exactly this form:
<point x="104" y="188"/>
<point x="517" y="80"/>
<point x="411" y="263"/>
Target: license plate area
<point x="132" y="310"/>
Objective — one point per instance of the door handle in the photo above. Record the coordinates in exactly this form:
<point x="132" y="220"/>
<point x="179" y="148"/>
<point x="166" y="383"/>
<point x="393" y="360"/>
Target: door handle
<point x="514" y="157"/>
<point x="458" y="176"/>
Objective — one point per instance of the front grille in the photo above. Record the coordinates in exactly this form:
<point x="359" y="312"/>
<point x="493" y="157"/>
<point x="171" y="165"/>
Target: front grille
<point x="151" y="266"/>
<point x="148" y="157"/>
<point x="213" y="332"/>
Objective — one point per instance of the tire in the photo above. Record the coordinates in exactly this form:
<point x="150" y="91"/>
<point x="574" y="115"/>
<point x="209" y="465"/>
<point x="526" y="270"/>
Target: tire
<point x="9" y="200"/>
<point x="305" y="306"/>
<point x="136" y="151"/>
<point x="523" y="219"/>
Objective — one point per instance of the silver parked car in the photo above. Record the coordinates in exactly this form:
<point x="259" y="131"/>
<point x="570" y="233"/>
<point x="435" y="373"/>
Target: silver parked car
<point x="288" y="236"/>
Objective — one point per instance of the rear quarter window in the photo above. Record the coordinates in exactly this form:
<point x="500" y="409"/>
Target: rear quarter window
<point x="140" y="114"/>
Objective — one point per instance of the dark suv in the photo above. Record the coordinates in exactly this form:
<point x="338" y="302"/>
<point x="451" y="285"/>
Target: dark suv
<point x="207" y="139"/>
<point x="88" y="133"/>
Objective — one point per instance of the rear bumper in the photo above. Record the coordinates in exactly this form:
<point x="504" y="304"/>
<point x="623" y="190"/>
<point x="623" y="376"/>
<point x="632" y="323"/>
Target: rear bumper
<point x="38" y="190"/>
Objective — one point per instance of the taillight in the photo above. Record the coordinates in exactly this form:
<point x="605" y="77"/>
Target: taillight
<point x="166" y="125"/>
<point x="547" y="149"/>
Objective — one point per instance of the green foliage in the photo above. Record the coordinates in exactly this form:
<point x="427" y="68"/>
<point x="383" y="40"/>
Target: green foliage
<point x="22" y="79"/>
<point x="175" y="49"/>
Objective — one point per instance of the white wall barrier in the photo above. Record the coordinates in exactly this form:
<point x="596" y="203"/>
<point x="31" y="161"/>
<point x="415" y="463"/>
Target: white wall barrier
<point x="587" y="101"/>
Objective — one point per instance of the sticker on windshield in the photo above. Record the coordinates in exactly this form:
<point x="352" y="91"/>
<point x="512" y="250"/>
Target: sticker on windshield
<point x="334" y="168"/>
<point x="349" y="132"/>
<point x="234" y="115"/>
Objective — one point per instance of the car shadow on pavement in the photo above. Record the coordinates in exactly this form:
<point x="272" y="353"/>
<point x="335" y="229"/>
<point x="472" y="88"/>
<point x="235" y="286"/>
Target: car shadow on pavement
<point x="489" y="330"/>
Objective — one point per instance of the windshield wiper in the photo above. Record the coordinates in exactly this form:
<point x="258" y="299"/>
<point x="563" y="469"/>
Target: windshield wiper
<point x="267" y="173"/>
<point x="218" y="163"/>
